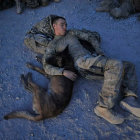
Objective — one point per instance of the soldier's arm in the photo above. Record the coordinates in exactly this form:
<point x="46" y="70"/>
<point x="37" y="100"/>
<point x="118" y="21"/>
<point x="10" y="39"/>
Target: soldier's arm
<point x="36" y="42"/>
<point x="92" y="37"/>
<point x="42" y="39"/>
<point x="50" y="69"/>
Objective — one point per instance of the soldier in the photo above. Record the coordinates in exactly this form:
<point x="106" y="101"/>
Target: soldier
<point x="92" y="64"/>
<point x="119" y="8"/>
<point x="117" y="75"/>
<point x="38" y="38"/>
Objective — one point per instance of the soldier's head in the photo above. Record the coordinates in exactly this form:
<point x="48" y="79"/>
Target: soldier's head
<point x="59" y="25"/>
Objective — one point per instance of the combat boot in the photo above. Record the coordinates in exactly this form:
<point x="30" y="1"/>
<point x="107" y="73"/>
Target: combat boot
<point x="131" y="105"/>
<point x="108" y="115"/>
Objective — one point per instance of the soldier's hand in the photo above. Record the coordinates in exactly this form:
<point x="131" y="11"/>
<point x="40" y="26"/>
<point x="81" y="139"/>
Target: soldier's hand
<point x="70" y="75"/>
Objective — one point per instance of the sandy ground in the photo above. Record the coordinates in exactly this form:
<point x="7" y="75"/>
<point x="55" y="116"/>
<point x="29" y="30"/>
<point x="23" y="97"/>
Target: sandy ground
<point x="120" y="39"/>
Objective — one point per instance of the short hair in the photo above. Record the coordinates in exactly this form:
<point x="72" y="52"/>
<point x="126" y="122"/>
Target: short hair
<point x="56" y="19"/>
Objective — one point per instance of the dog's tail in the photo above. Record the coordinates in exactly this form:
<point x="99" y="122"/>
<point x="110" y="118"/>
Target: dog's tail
<point x="23" y="114"/>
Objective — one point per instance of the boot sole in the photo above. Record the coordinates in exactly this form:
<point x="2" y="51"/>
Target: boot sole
<point x="133" y="110"/>
<point x="98" y="114"/>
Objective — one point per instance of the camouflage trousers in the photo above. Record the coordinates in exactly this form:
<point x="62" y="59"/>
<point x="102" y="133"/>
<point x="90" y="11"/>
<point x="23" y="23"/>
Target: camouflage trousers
<point x="119" y="78"/>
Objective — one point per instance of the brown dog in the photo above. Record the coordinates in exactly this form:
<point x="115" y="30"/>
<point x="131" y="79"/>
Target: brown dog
<point x="53" y="101"/>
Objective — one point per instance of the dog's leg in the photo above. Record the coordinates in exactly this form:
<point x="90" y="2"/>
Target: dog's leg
<point x="25" y="83"/>
<point x="37" y="91"/>
<point x="37" y="105"/>
<point x="42" y="101"/>
<point x="30" y="66"/>
<point x="38" y="94"/>
<point x="28" y="83"/>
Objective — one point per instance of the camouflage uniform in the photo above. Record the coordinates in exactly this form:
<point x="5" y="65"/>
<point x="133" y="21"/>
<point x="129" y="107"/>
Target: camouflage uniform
<point x="32" y="3"/>
<point x="42" y="33"/>
<point x="112" y="70"/>
<point x="36" y="3"/>
<point x="117" y="75"/>
<point x="119" y="8"/>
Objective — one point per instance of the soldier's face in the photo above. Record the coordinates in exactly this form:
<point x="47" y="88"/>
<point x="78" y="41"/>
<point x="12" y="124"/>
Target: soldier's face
<point x="60" y="27"/>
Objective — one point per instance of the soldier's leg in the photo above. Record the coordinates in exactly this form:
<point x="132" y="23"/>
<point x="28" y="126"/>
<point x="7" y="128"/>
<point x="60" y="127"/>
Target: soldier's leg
<point x="88" y="62"/>
<point x="112" y="82"/>
<point x="109" y="94"/>
<point x="113" y="70"/>
<point x="105" y="5"/>
<point x="124" y="10"/>
<point x="129" y="83"/>
<point x="130" y="103"/>
<point x="113" y="73"/>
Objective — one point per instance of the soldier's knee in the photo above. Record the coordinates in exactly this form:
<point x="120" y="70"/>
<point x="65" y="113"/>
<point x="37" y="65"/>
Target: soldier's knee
<point x="118" y="64"/>
<point x="81" y="63"/>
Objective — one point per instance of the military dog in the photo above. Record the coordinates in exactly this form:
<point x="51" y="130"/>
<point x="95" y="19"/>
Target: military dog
<point x="52" y="102"/>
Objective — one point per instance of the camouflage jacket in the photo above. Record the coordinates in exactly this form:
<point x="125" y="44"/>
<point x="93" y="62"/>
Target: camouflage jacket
<point x="38" y="38"/>
<point x="42" y="34"/>
<point x="76" y="50"/>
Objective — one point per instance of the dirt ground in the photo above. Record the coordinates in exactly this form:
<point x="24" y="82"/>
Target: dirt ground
<point x="120" y="40"/>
